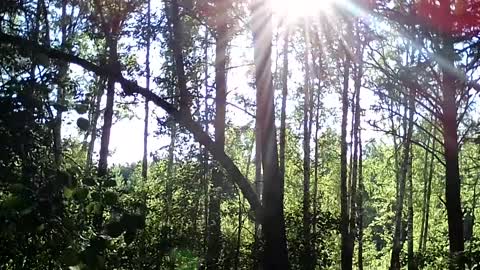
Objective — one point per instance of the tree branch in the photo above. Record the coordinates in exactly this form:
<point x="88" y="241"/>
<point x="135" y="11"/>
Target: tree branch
<point x="130" y="88"/>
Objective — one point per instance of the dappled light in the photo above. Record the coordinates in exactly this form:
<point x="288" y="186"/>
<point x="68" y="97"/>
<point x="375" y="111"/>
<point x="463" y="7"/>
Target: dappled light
<point x="239" y="134"/>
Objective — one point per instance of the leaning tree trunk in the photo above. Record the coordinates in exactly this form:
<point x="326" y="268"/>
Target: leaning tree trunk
<point x="214" y="245"/>
<point x="273" y="222"/>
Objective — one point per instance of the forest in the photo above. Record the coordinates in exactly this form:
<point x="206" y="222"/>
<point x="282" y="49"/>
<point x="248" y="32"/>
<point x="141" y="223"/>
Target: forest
<point x="239" y="134"/>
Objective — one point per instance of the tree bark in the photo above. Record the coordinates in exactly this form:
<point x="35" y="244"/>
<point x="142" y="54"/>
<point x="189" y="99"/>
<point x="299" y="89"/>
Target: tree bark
<point x="361" y="190"/>
<point x="147" y="79"/>
<point x="214" y="225"/>
<point x="410" y="254"/>
<point x="450" y="139"/>
<point x="273" y="222"/>
<point x="283" y="113"/>
<point x="62" y="75"/>
<point x="94" y="115"/>
<point x="307" y="262"/>
<point x="108" y="115"/>
<point x="425" y="185"/>
<point x="346" y="248"/>
<point x="395" y="263"/>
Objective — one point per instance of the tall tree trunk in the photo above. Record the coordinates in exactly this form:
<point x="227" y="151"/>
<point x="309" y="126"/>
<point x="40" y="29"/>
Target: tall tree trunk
<point x="94" y="115"/>
<point x="450" y="139"/>
<point x="316" y="206"/>
<point x="307" y="262"/>
<point x="355" y="145"/>
<point x="205" y="152"/>
<point x="214" y="225"/>
<point x="425" y="185"/>
<point x="273" y="221"/>
<point x="62" y="76"/>
<point x="411" y="258"/>
<point x="147" y="78"/>
<point x="395" y="256"/>
<point x="429" y="193"/>
<point x="258" y="182"/>
<point x="361" y="190"/>
<point x="283" y="113"/>
<point x="346" y="248"/>
<point x="241" y="204"/>
<point x="108" y="115"/>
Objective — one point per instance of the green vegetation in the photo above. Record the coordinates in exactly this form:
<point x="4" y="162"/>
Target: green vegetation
<point x="358" y="150"/>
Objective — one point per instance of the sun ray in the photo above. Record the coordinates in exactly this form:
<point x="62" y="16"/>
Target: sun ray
<point x="290" y="11"/>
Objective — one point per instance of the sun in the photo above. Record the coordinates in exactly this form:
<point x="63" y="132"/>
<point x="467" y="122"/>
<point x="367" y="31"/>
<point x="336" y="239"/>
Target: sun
<point x="293" y="10"/>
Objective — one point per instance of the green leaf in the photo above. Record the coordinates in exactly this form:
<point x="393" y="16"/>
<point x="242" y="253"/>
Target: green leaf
<point x="83" y="124"/>
<point x="13" y="202"/>
<point x="43" y="59"/>
<point x="133" y="222"/>
<point x="17" y="188"/>
<point x="129" y="236"/>
<point x="60" y="107"/>
<point x="110" y="198"/>
<point x="81" y="108"/>
<point x="64" y="178"/>
<point x="70" y="257"/>
<point x="89" y="257"/>
<point x="89" y="181"/>
<point x="110" y="183"/>
<point x="80" y="194"/>
<point x="114" y="229"/>
<point x="68" y="192"/>
<point x="96" y="196"/>
<point x="99" y="243"/>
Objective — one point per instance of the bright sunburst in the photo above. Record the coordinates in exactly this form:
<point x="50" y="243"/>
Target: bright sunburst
<point x="293" y="10"/>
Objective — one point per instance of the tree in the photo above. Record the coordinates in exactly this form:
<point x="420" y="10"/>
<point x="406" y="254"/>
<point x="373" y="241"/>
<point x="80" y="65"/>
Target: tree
<point x="273" y="222"/>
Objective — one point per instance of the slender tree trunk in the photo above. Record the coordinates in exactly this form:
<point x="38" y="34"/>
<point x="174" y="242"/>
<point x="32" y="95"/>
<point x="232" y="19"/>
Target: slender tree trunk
<point x="205" y="152"/>
<point x="273" y="222"/>
<point x="241" y="204"/>
<point x="95" y="114"/>
<point x="283" y="113"/>
<point x="307" y="262"/>
<point x="316" y="206"/>
<point x="62" y="74"/>
<point x="450" y="139"/>
<point x="177" y="50"/>
<point x="411" y="258"/>
<point x="108" y="115"/>
<point x="395" y="256"/>
<point x="361" y="190"/>
<point x="147" y="78"/>
<point x="346" y="249"/>
<point x="221" y="41"/>
<point x="425" y="185"/>
<point x="355" y="144"/>
<point x="429" y="193"/>
<point x="258" y="182"/>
